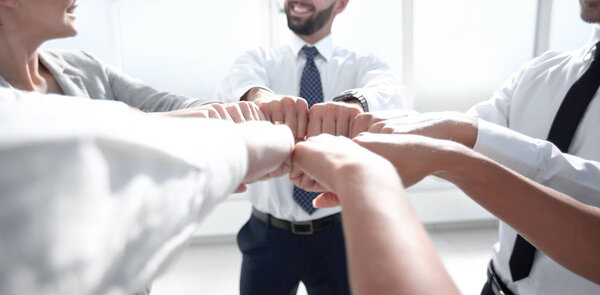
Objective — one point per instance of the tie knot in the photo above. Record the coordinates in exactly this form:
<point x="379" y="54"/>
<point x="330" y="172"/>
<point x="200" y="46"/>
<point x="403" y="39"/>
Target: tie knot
<point x="310" y="52"/>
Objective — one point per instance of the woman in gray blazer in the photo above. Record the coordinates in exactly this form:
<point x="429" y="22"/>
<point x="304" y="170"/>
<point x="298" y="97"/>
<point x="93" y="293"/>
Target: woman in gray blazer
<point x="26" y="24"/>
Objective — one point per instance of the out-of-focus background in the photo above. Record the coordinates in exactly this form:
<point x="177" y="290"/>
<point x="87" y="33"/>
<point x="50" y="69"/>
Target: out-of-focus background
<point x="450" y="55"/>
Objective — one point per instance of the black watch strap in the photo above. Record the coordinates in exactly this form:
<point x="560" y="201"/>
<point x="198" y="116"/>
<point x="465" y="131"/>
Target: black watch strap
<point x="353" y="96"/>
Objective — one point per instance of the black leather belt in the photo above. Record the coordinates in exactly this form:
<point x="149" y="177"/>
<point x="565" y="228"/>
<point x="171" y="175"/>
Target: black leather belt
<point x="299" y="227"/>
<point x="496" y="284"/>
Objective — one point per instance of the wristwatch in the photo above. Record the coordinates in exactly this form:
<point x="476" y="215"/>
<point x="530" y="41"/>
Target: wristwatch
<point x="353" y="96"/>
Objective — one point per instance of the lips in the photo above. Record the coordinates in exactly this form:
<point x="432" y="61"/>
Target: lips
<point x="299" y="8"/>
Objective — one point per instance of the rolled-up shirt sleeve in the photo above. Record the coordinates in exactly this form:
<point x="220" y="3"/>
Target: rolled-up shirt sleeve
<point x="541" y="161"/>
<point x="96" y="197"/>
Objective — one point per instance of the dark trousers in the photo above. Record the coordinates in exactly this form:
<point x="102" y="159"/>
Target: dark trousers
<point x="276" y="260"/>
<point x="487" y="289"/>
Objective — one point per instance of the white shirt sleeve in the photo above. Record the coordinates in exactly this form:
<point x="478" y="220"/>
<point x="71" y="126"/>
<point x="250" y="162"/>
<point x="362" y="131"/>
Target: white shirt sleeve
<point x="382" y="89"/>
<point x="537" y="159"/>
<point x="96" y="197"/>
<point x="541" y="161"/>
<point x="248" y="71"/>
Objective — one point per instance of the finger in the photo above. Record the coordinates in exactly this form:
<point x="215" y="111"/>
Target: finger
<point x="328" y="122"/>
<point x="220" y="109"/>
<point x="301" y="117"/>
<point x="342" y="126"/>
<point x="376" y="128"/>
<point x="359" y="124"/>
<point x="314" y="122"/>
<point x="307" y="183"/>
<point x="240" y="189"/>
<point x="212" y="114"/>
<point x="326" y="200"/>
<point x="291" y="117"/>
<point x="201" y="114"/>
<point x="296" y="174"/>
<point x="256" y="112"/>
<point x="234" y="111"/>
<point x="307" y="162"/>
<point x="284" y="169"/>
<point x="276" y="112"/>
<point x="246" y="111"/>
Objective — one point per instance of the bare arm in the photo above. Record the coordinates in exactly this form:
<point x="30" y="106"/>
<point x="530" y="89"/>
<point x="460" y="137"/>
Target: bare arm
<point x="560" y="226"/>
<point x="398" y="257"/>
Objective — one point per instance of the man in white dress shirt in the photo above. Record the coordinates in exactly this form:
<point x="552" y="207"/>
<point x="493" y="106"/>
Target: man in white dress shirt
<point x="97" y="197"/>
<point x="286" y="240"/>
<point x="543" y="124"/>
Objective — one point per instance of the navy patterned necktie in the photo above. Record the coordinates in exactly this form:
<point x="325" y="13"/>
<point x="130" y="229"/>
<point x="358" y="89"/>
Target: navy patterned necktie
<point x="312" y="91"/>
<point x="570" y="113"/>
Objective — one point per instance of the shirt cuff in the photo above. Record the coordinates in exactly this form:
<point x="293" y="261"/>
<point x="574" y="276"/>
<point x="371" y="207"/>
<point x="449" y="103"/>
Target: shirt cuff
<point x="509" y="148"/>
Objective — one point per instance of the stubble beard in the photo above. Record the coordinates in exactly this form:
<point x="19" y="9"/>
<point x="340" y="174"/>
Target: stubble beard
<point x="311" y="25"/>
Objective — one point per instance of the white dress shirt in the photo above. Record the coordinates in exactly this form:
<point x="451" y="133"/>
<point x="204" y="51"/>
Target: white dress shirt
<point x="280" y="70"/>
<point x="95" y="197"/>
<point x="527" y="104"/>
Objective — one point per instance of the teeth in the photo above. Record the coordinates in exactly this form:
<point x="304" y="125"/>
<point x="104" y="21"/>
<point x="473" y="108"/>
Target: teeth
<point x="300" y="9"/>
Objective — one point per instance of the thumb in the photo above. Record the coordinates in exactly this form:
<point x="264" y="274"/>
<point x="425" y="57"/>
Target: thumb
<point x="326" y="200"/>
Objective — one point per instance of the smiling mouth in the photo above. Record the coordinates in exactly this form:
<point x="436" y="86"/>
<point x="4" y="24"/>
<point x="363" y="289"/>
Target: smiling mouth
<point x="298" y="8"/>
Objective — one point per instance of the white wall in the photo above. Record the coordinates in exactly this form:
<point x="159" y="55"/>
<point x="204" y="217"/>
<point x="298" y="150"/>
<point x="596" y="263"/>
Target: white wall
<point x="451" y="54"/>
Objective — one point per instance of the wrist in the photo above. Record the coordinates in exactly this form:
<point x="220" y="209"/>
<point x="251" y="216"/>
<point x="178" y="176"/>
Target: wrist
<point x="353" y="97"/>
<point x="359" y="179"/>
<point x="467" y="129"/>
<point x="454" y="161"/>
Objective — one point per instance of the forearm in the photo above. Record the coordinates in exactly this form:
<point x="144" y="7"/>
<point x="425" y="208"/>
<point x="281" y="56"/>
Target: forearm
<point x="388" y="249"/>
<point x="563" y="228"/>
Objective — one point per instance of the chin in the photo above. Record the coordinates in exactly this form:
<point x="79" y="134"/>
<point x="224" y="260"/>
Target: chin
<point x="70" y="30"/>
<point x="590" y="11"/>
<point x="73" y="32"/>
<point x="63" y="34"/>
<point x="592" y="18"/>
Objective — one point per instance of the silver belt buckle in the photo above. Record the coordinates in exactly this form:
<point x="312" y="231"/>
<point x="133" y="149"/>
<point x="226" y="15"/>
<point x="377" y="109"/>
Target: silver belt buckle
<point x="302" y="223"/>
<point x="496" y="289"/>
<point x="494" y="284"/>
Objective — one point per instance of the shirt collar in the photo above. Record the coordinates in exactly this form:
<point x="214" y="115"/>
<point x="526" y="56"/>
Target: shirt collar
<point x="324" y="46"/>
<point x="594" y="38"/>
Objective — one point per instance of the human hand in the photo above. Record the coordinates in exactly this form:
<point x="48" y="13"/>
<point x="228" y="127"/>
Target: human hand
<point x="337" y="166"/>
<point x="237" y="112"/>
<point x="332" y="118"/>
<point x="269" y="150"/>
<point x="453" y="126"/>
<point x="289" y="110"/>
<point x="362" y="122"/>
<point x="413" y="156"/>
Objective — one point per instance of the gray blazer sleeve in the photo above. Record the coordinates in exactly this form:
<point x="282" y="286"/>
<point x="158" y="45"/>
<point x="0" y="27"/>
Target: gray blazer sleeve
<point x="102" y="81"/>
